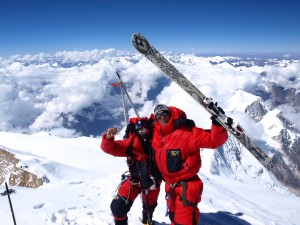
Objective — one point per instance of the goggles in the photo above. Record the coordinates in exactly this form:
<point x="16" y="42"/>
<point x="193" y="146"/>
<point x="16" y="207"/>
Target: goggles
<point x="162" y="114"/>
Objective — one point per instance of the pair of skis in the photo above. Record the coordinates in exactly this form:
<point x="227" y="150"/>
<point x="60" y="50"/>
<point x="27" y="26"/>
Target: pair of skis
<point x="145" y="48"/>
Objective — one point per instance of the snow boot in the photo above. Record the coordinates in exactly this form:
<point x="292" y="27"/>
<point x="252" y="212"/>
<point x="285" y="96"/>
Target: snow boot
<point x="121" y="222"/>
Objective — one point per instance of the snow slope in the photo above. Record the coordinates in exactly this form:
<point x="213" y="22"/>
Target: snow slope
<point x="83" y="180"/>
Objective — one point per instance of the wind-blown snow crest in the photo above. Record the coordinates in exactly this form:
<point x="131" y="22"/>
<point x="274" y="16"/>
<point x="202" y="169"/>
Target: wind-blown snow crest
<point x="80" y="191"/>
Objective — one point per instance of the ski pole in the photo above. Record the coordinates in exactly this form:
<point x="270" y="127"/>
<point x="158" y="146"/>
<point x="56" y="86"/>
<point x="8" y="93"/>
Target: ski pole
<point x="148" y="210"/>
<point x="124" y="107"/>
<point x="121" y="83"/>
<point x="11" y="208"/>
<point x="123" y="100"/>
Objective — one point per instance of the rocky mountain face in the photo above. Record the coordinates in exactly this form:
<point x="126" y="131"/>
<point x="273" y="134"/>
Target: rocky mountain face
<point x="15" y="175"/>
<point x="257" y="110"/>
<point x="289" y="158"/>
<point x="286" y="158"/>
<point x="231" y="157"/>
<point x="288" y="137"/>
<point x="281" y="96"/>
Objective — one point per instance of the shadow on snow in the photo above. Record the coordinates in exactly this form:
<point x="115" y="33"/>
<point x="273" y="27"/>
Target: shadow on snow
<point x="222" y="218"/>
<point x="218" y="218"/>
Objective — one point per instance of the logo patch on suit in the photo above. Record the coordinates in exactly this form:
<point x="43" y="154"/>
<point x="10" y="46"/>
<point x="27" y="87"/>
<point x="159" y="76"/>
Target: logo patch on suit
<point x="174" y="160"/>
<point x="175" y="152"/>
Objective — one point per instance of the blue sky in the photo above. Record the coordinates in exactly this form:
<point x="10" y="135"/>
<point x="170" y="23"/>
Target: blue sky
<point x="219" y="26"/>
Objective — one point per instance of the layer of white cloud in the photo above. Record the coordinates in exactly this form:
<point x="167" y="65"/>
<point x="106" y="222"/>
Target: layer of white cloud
<point x="44" y="92"/>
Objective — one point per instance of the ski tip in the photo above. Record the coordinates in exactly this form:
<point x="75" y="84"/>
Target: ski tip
<point x="140" y="43"/>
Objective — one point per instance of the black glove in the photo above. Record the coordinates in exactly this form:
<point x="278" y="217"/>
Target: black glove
<point x="229" y="122"/>
<point x="145" y="180"/>
<point x="214" y="107"/>
<point x="129" y="129"/>
<point x="213" y="118"/>
<point x="221" y="110"/>
<point x="214" y="121"/>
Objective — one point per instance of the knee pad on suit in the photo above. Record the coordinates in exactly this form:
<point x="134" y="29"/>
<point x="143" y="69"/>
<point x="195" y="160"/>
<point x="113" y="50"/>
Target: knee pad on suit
<point x="120" y="207"/>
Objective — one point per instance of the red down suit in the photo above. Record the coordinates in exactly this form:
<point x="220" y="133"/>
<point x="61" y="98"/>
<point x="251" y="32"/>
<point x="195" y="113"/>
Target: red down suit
<point x="177" y="155"/>
<point x="134" y="149"/>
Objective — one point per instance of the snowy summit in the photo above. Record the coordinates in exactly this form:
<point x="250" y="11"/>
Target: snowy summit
<point x="55" y="109"/>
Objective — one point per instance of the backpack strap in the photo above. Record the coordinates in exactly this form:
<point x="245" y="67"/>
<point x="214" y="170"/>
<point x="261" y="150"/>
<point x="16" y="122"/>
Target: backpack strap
<point x="185" y="202"/>
<point x="183" y="121"/>
<point x="129" y="151"/>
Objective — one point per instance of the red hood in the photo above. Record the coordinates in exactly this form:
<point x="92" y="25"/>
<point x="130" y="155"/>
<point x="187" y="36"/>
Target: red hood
<point x="170" y="127"/>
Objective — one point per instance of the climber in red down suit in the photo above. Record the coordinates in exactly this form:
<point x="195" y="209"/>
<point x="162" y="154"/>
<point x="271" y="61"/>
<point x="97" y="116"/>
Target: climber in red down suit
<point x="143" y="177"/>
<point x="176" y="143"/>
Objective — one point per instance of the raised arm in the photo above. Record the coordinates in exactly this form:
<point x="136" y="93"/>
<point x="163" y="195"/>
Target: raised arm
<point x="112" y="147"/>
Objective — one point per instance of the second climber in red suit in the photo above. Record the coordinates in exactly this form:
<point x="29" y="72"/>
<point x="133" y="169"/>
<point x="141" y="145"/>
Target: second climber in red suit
<point x="142" y="177"/>
<point x="176" y="143"/>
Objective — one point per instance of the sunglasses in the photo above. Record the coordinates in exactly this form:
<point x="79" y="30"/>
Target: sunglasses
<point x="142" y="131"/>
<point x="162" y="114"/>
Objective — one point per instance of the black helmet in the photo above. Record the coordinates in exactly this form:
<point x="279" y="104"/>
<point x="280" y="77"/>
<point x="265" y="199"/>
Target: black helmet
<point x="141" y="123"/>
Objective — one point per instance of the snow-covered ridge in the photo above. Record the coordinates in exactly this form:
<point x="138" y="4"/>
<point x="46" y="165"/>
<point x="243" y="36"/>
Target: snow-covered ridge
<point x="81" y="188"/>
